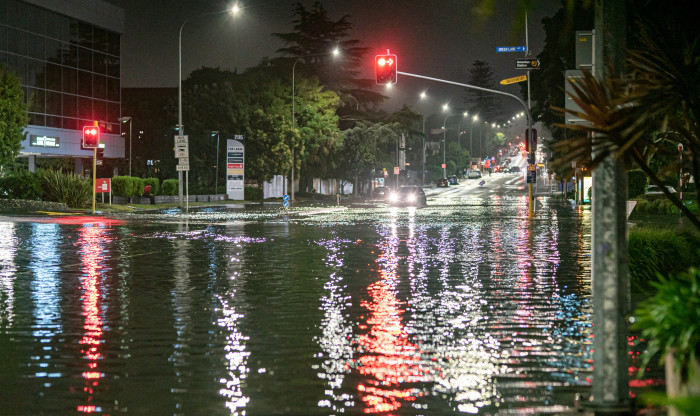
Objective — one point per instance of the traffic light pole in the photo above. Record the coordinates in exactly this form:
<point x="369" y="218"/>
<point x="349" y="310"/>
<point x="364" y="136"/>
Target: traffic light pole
<point x="94" y="178"/>
<point x="531" y="198"/>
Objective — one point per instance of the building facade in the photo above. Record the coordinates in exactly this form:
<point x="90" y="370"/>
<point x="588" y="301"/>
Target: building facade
<point x="67" y="55"/>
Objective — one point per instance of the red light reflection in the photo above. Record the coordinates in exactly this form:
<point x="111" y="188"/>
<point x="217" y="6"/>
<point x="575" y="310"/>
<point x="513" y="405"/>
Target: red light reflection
<point x="91" y="248"/>
<point x="388" y="358"/>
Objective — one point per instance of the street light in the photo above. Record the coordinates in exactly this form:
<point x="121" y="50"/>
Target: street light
<point x="471" y="130"/>
<point x="180" y="128"/>
<point x="131" y="123"/>
<point x="216" y="174"/>
<point x="334" y="52"/>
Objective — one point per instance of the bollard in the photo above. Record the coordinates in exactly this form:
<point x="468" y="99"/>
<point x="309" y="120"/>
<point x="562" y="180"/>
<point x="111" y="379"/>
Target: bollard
<point x="337" y="199"/>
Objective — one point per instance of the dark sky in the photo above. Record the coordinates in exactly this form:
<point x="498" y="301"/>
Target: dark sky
<point x="439" y="38"/>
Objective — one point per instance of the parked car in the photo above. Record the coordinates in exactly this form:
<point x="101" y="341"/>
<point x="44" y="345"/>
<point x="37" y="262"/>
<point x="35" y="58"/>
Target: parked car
<point x="453" y="181"/>
<point x="514" y="169"/>
<point x="655" y="190"/>
<point x="474" y="174"/>
<point x="380" y="192"/>
<point x="442" y="183"/>
<point x="408" y="196"/>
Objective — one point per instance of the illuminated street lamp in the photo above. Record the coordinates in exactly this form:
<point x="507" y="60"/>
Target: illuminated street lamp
<point x="180" y="128"/>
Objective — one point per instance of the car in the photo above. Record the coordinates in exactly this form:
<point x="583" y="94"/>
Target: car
<point x="443" y="183"/>
<point x="453" y="181"/>
<point x="656" y="190"/>
<point x="380" y="192"/>
<point x="408" y="196"/>
<point x="474" y="174"/>
<point x="514" y="169"/>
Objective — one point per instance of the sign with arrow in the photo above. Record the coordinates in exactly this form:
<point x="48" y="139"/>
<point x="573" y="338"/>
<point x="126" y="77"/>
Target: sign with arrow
<point x="513" y="80"/>
<point x="531" y="63"/>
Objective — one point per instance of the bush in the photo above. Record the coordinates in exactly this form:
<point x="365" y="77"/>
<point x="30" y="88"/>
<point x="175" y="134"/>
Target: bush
<point x="653" y="251"/>
<point x="21" y="185"/>
<point x="252" y="193"/>
<point x="637" y="183"/>
<point x="73" y="190"/>
<point x="127" y="186"/>
<point x="170" y="187"/>
<point x="668" y="321"/>
<point x="154" y="183"/>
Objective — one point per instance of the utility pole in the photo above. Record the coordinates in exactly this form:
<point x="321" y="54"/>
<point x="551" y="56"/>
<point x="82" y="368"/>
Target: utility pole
<point x="609" y="253"/>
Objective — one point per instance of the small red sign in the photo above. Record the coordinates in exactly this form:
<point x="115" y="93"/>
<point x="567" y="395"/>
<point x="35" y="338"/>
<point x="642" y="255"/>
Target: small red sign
<point x="102" y="185"/>
<point x="234" y="166"/>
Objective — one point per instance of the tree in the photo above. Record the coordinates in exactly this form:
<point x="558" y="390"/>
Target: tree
<point x="313" y="38"/>
<point x="656" y="104"/>
<point x="482" y="103"/>
<point x="13" y="113"/>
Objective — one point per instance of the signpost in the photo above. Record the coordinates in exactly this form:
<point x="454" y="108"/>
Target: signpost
<point x="531" y="174"/>
<point x="285" y="201"/>
<point x="235" y="168"/>
<point x="103" y="186"/>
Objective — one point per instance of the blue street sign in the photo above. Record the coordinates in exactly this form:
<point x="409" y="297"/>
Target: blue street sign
<point x="511" y="49"/>
<point x="285" y="201"/>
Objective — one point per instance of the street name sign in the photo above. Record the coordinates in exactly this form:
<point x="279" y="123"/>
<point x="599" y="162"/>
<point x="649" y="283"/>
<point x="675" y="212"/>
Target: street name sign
<point x="511" y="49"/>
<point x="520" y="78"/>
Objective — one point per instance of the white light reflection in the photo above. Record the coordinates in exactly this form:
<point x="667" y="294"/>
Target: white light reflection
<point x="336" y="332"/>
<point x="182" y="316"/>
<point x="8" y="268"/>
<point x="45" y="293"/>
<point x="236" y="350"/>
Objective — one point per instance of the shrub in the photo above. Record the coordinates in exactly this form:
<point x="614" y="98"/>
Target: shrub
<point x="252" y="193"/>
<point x="71" y="189"/>
<point x="127" y="186"/>
<point x="21" y="185"/>
<point x="155" y="185"/>
<point x="637" y="183"/>
<point x="653" y="251"/>
<point x="668" y="321"/>
<point x="170" y="187"/>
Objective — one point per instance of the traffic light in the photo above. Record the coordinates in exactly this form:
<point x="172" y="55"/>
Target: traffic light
<point x="91" y="137"/>
<point x="385" y="69"/>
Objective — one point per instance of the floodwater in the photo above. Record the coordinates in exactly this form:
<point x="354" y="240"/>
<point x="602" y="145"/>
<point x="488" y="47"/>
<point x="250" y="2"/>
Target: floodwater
<point x="464" y="308"/>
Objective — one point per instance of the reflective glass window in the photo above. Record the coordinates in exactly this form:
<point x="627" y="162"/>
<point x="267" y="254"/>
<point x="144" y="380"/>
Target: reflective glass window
<point x="17" y="14"/>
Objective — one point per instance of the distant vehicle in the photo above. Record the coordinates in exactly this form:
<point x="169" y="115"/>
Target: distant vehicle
<point x="453" y="180"/>
<point x="443" y="183"/>
<point x="380" y="192"/>
<point x="474" y="174"/>
<point x="514" y="169"/>
<point x="408" y="196"/>
<point x="655" y="190"/>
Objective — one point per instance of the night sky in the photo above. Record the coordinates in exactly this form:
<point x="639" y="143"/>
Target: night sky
<point x="439" y="38"/>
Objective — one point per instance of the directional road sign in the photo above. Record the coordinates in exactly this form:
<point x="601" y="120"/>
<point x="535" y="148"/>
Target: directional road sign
<point x="520" y="78"/>
<point x="530" y="63"/>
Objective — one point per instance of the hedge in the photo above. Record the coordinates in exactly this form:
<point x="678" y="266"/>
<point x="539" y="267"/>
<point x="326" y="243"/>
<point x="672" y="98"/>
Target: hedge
<point x="154" y="183"/>
<point x="663" y="251"/>
<point x="21" y="185"/>
<point x="170" y="187"/>
<point x="252" y="193"/>
<point x="127" y="186"/>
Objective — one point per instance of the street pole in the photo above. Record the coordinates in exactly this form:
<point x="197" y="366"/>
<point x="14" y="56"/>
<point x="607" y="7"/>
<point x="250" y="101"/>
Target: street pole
<point x="180" y="126"/>
<point x="131" y="123"/>
<point x="291" y="200"/>
<point x="680" y="176"/>
<point x="216" y="173"/>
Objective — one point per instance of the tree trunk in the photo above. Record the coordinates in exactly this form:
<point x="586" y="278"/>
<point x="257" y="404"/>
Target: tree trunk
<point x="677" y="382"/>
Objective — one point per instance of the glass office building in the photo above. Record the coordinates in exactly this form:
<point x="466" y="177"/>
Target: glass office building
<point x="67" y="56"/>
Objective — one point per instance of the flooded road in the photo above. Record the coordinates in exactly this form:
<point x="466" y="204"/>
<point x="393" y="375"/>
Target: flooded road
<point x="463" y="307"/>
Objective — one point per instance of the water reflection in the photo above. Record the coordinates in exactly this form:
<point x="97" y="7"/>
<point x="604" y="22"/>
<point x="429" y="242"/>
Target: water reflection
<point x="91" y="243"/>
<point x="8" y="268"/>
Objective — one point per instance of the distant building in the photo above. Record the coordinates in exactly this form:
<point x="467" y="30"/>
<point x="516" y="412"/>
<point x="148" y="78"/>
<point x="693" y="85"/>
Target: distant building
<point x="67" y="56"/>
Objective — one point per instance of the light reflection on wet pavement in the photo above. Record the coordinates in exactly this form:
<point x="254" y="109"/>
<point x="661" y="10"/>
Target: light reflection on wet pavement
<point x="460" y="307"/>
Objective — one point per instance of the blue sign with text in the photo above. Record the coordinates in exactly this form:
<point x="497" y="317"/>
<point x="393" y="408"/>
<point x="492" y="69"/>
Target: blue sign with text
<point x="511" y="49"/>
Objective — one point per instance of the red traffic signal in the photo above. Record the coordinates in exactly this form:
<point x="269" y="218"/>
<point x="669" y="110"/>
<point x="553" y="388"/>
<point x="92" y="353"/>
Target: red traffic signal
<point x="91" y="137"/>
<point x="385" y="69"/>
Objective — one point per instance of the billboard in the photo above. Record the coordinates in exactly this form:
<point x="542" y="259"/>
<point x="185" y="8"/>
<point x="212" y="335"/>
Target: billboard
<point x="235" y="164"/>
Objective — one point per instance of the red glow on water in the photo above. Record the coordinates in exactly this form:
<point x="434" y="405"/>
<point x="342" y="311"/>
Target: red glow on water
<point x="82" y="220"/>
<point x="91" y="243"/>
<point x="388" y="357"/>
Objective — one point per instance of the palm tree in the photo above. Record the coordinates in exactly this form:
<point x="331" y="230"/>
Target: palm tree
<point x="656" y="105"/>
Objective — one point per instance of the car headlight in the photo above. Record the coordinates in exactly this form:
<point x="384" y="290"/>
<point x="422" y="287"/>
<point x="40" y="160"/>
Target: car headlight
<point x="411" y="197"/>
<point x="393" y="197"/>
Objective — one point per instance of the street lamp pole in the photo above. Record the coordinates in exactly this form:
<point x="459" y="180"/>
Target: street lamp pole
<point x="131" y="123"/>
<point x="180" y="126"/>
<point x="216" y="174"/>
<point x="300" y="59"/>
